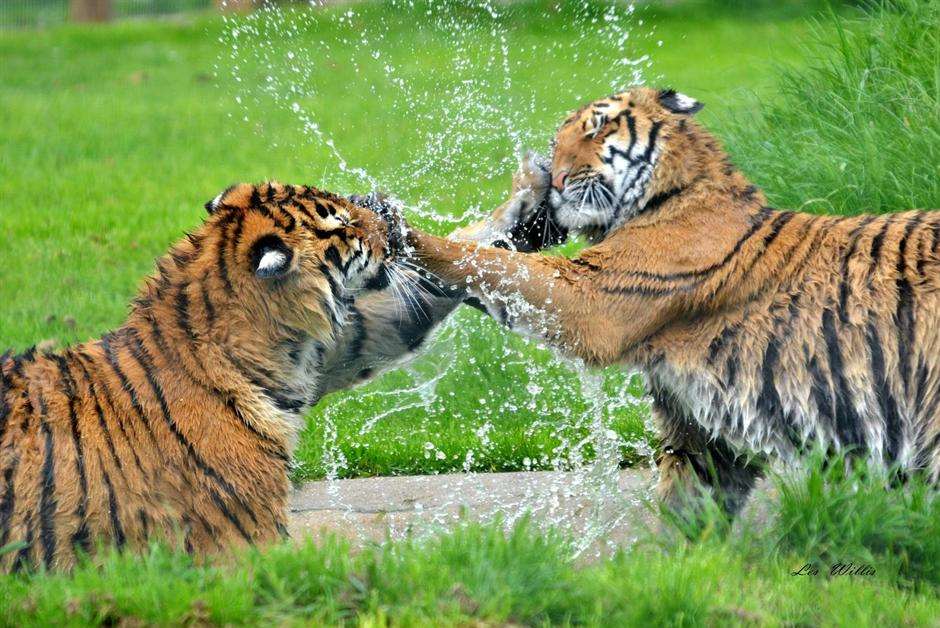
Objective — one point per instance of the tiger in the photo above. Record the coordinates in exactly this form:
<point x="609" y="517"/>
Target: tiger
<point x="179" y="425"/>
<point x="764" y="334"/>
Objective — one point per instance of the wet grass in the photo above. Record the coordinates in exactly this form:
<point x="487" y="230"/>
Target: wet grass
<point x="483" y="575"/>
<point x="112" y="138"/>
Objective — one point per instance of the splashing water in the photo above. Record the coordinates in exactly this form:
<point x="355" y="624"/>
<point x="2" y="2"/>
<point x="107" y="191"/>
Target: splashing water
<point x="433" y="102"/>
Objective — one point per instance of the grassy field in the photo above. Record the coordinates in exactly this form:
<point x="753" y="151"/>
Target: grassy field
<point x="112" y="137"/>
<point x="484" y="576"/>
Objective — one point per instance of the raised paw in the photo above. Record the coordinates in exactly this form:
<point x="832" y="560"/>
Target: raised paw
<point x="533" y="176"/>
<point x="523" y="222"/>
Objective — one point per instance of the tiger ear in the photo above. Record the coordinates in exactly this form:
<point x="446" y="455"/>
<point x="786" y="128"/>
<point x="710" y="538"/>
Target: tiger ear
<point x="215" y="203"/>
<point x="679" y="103"/>
<point x="270" y="257"/>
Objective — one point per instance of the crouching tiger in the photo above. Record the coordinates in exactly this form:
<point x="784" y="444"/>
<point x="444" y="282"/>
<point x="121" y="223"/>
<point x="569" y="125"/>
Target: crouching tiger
<point x="179" y="425"/>
<point x="762" y="332"/>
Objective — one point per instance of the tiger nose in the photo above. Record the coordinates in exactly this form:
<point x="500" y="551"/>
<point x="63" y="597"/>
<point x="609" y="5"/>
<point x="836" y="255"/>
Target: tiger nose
<point x="558" y="181"/>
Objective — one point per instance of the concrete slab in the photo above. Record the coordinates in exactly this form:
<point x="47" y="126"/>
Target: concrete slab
<point x="597" y="512"/>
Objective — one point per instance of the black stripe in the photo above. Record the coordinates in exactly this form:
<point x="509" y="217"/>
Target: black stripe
<point x="140" y="354"/>
<point x="144" y="522"/>
<point x="631" y="127"/>
<point x="4" y="406"/>
<point x="278" y="450"/>
<point x="721" y="340"/>
<point x="768" y="401"/>
<point x="825" y="223"/>
<point x="236" y="236"/>
<point x="646" y="291"/>
<point x="849" y="253"/>
<point x="175" y="358"/>
<point x="358" y="331"/>
<point x="23" y="560"/>
<point x="228" y="514"/>
<point x="113" y="514"/>
<point x="931" y="450"/>
<point x="47" y="501"/>
<point x="821" y="389"/>
<point x="256" y="375"/>
<point x="334" y="287"/>
<point x="757" y="221"/>
<point x="654" y="133"/>
<point x="877" y="244"/>
<point x="306" y="214"/>
<point x="221" y="262"/>
<point x="731" y="371"/>
<point x="187" y="534"/>
<point x="181" y="306"/>
<point x="8" y="501"/>
<point x="922" y="259"/>
<point x="776" y="227"/>
<point x="291" y="221"/>
<point x="848" y="422"/>
<point x="82" y="537"/>
<point x="117" y="416"/>
<point x="904" y="313"/>
<point x="659" y="199"/>
<point x="92" y="389"/>
<point x="22" y="360"/>
<point x="379" y="281"/>
<point x="126" y="386"/>
<point x="333" y="257"/>
<point x="889" y="405"/>
<point x="207" y="302"/>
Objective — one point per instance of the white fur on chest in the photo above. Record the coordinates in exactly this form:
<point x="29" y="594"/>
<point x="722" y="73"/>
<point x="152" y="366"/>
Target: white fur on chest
<point x="731" y="414"/>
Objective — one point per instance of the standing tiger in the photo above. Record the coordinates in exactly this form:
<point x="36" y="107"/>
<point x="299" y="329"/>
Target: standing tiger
<point x="763" y="333"/>
<point x="179" y="425"/>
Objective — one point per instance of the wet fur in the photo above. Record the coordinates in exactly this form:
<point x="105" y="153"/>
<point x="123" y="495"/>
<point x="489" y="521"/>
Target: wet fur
<point x="764" y="333"/>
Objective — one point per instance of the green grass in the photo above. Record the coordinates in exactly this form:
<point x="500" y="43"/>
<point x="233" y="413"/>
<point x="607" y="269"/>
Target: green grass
<point x="112" y="137"/>
<point x="858" y="130"/>
<point x="477" y="575"/>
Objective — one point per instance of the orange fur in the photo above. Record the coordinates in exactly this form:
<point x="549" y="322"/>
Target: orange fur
<point x="179" y="425"/>
<point x="763" y="332"/>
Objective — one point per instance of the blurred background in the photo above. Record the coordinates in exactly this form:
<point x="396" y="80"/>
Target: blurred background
<point x="33" y="13"/>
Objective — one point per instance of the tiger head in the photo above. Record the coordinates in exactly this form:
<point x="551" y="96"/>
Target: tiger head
<point x="273" y="259"/>
<point x="615" y="154"/>
<point x="297" y="252"/>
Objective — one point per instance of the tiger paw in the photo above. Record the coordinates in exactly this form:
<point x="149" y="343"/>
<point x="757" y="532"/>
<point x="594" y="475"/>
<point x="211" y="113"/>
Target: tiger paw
<point x="533" y="177"/>
<point x="524" y="221"/>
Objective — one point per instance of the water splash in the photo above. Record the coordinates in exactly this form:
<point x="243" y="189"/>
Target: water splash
<point x="439" y="121"/>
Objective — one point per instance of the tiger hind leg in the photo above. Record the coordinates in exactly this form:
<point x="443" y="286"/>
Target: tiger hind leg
<point x="693" y="467"/>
